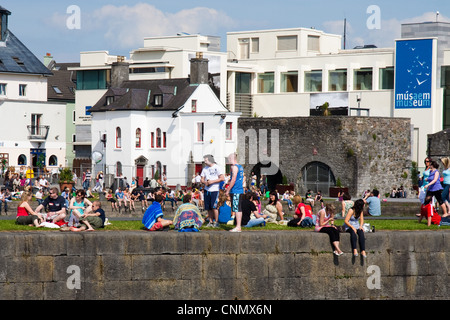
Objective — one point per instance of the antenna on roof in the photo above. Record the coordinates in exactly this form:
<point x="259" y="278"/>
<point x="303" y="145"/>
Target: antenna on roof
<point x="345" y="31"/>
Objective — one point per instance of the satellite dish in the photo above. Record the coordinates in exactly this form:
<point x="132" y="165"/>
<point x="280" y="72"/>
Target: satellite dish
<point x="97" y="156"/>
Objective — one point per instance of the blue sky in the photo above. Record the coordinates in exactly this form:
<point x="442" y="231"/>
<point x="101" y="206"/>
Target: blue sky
<point x="120" y="26"/>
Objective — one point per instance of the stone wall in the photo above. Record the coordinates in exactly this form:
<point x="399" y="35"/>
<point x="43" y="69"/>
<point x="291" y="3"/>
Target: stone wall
<point x="363" y="152"/>
<point x="254" y="265"/>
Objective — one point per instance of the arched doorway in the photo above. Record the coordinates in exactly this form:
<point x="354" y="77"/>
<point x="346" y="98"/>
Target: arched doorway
<point x="270" y="179"/>
<point x="317" y="176"/>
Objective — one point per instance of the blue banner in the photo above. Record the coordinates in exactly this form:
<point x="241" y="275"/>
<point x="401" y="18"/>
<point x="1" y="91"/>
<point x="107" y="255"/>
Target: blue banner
<point x="413" y="73"/>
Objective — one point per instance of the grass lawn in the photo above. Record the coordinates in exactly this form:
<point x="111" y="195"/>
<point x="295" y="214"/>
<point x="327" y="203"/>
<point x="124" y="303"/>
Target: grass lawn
<point x="380" y="225"/>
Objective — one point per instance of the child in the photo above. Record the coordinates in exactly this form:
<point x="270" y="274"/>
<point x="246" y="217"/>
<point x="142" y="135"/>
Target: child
<point x="110" y="198"/>
<point x="225" y="214"/>
<point x="428" y="211"/>
<point x="153" y="216"/>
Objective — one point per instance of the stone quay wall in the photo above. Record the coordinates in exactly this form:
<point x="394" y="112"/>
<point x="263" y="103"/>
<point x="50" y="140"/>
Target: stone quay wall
<point x="256" y="265"/>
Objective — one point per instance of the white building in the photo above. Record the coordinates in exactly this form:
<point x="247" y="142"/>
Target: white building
<point x="159" y="58"/>
<point x="164" y="126"/>
<point x="33" y="131"/>
<point x="293" y="72"/>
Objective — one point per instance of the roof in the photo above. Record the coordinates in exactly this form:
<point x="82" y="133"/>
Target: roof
<point x="62" y="85"/>
<point x="15" y="57"/>
<point x="140" y="95"/>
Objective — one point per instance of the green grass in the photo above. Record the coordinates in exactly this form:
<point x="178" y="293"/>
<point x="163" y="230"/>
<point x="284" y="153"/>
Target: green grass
<point x="380" y="225"/>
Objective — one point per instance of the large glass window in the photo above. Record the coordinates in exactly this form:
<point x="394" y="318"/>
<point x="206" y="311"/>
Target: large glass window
<point x="243" y="82"/>
<point x="337" y="80"/>
<point x="92" y="79"/>
<point x="387" y="78"/>
<point x="362" y="79"/>
<point x="289" y="81"/>
<point x="266" y="82"/>
<point x="313" y="81"/>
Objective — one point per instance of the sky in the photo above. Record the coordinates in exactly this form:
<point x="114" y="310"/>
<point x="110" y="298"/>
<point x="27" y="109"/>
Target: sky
<point x="64" y="28"/>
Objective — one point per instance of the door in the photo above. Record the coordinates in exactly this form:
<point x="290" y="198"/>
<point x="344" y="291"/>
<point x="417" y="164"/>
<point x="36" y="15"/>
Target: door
<point x="140" y="174"/>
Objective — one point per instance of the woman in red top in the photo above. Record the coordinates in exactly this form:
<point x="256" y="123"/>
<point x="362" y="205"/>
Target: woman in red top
<point x="26" y="215"/>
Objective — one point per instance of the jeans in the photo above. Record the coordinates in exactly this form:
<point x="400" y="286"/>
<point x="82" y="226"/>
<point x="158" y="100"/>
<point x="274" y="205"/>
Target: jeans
<point x="3" y="202"/>
<point x="361" y="238"/>
<point x="254" y="222"/>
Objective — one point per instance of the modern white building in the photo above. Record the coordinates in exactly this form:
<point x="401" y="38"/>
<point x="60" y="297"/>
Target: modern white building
<point x="33" y="131"/>
<point x="164" y="126"/>
<point x="293" y="72"/>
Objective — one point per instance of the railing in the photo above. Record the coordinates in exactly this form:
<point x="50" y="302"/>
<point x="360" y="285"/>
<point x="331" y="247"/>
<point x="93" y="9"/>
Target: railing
<point x="243" y="103"/>
<point x="38" y="133"/>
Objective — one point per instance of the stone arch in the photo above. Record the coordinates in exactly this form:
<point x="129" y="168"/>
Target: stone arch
<point x="316" y="175"/>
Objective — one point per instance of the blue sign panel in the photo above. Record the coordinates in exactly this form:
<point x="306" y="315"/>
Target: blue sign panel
<point x="413" y="66"/>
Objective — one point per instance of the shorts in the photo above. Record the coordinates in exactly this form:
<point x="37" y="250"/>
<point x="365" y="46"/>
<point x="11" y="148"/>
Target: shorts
<point x="211" y="200"/>
<point x="156" y="227"/>
<point x="236" y="202"/>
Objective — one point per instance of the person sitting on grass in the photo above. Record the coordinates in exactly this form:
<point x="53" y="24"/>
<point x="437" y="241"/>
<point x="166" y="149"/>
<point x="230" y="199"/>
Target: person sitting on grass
<point x="428" y="211"/>
<point x="153" y="216"/>
<point x="93" y="220"/>
<point x="26" y="215"/>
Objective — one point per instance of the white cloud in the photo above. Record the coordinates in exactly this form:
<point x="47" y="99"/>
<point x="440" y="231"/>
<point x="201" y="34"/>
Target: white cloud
<point x="126" y="26"/>
<point x="384" y="37"/>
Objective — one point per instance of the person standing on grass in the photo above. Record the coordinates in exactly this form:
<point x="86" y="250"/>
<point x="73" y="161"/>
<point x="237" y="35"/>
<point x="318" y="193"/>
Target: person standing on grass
<point x="235" y="189"/>
<point x="434" y="187"/>
<point x="211" y="177"/>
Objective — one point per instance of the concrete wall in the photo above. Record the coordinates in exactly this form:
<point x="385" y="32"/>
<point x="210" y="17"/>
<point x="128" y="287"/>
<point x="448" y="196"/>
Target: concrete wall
<point x="259" y="265"/>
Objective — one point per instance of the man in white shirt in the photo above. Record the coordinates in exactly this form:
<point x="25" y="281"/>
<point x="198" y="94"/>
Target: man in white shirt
<point x="211" y="177"/>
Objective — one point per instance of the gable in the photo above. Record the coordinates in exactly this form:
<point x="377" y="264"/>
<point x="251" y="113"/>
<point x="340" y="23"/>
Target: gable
<point x="205" y="100"/>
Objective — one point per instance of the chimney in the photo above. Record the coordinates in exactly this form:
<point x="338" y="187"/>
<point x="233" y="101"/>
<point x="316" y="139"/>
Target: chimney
<point x="120" y="72"/>
<point x="199" y="69"/>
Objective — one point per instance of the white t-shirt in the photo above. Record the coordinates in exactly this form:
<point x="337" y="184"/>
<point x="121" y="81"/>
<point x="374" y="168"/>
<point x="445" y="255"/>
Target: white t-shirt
<point x="212" y="173"/>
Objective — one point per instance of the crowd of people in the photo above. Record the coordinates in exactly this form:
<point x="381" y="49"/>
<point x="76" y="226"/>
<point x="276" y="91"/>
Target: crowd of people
<point x="216" y="199"/>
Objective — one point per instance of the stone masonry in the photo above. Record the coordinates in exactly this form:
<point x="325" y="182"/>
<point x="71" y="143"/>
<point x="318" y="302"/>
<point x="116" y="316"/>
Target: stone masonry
<point x="363" y="152"/>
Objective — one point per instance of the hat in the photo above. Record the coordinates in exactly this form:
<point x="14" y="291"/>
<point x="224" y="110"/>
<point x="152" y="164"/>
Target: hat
<point x="210" y="158"/>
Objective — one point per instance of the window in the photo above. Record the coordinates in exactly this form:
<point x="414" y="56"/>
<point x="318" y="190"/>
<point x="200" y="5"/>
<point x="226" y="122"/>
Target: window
<point x="109" y="100"/>
<point x="266" y="82"/>
<point x="229" y="131"/>
<point x="53" y="160"/>
<point x="337" y="80"/>
<point x="164" y="140"/>
<point x="289" y="81"/>
<point x="158" y="138"/>
<point x="2" y="89"/>
<point x="194" y="106"/>
<point x="118" y="138"/>
<point x="118" y="169"/>
<point x="22" y="90"/>
<point x="18" y="61"/>
<point x="313" y="81"/>
<point x="286" y="43"/>
<point x="387" y="78"/>
<point x="152" y="140"/>
<point x="36" y="124"/>
<point x="200" y="131"/>
<point x="313" y="43"/>
<point x="362" y="79"/>
<point x="138" y="138"/>
<point x="57" y="90"/>
<point x="73" y="116"/>
<point x="255" y="45"/>
<point x="93" y="79"/>
<point x="158" y="99"/>
<point x="243" y="81"/>
<point x="22" y="160"/>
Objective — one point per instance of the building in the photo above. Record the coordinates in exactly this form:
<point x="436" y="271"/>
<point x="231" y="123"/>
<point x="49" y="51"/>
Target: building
<point x="294" y="72"/>
<point x="159" y="58"/>
<point x="33" y="131"/>
<point x="61" y="88"/>
<point x="146" y="128"/>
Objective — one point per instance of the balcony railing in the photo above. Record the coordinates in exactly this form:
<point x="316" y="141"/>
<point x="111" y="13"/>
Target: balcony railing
<point x="38" y="133"/>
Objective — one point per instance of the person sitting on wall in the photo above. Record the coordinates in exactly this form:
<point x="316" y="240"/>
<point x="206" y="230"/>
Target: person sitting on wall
<point x="373" y="200"/>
